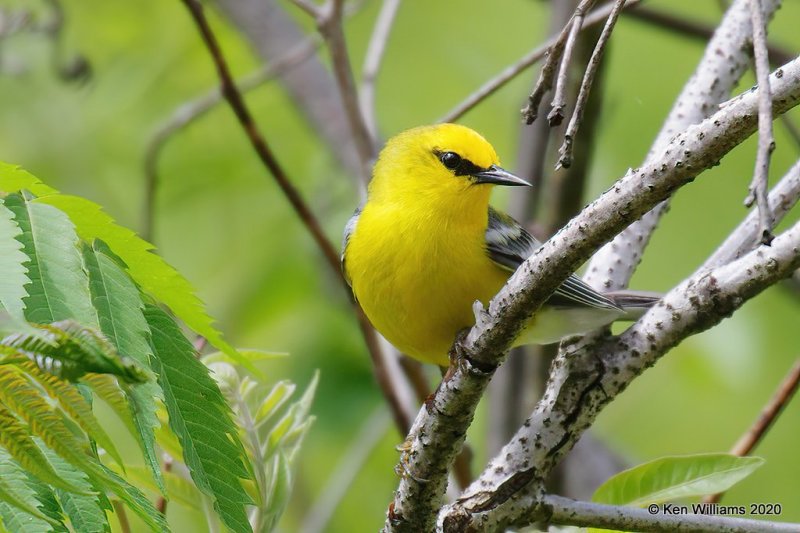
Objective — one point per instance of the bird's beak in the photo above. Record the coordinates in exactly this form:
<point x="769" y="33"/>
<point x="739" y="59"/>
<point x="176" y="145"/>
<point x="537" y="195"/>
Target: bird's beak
<point x="499" y="176"/>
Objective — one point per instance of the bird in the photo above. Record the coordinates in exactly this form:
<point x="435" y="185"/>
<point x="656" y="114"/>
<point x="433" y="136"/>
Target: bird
<point x="426" y="244"/>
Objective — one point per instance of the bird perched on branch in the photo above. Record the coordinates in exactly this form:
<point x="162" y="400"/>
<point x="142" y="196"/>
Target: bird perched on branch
<point x="426" y="244"/>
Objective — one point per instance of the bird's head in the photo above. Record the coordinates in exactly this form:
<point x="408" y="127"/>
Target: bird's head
<point x="441" y="163"/>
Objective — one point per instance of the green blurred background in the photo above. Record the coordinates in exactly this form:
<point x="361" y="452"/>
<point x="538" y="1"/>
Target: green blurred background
<point x="225" y="225"/>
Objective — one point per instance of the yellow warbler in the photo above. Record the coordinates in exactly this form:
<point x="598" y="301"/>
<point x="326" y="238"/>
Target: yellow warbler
<point x="426" y="244"/>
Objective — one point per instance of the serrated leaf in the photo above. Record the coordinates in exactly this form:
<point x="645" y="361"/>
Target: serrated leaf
<point x="200" y="417"/>
<point x="75" y="405"/>
<point x="69" y="350"/>
<point x="47" y="423"/>
<point x="87" y="511"/>
<point x="10" y="496"/>
<point x="31" y="492"/>
<point x="106" y="387"/>
<point x="14" y="178"/>
<point x="59" y="287"/>
<point x="147" y="269"/>
<point x="671" y="478"/>
<point x="12" y="265"/>
<point x="16" y="440"/>
<point x="119" y="309"/>
<point x="133" y="498"/>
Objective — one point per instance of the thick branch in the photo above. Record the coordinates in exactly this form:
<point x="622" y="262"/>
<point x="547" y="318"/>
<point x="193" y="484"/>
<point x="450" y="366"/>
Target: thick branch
<point x="564" y="511"/>
<point x="484" y="347"/>
<point x="725" y="59"/>
<point x="583" y="382"/>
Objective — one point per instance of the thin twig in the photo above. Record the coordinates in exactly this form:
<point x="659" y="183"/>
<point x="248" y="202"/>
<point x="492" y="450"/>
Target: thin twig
<point x="309" y="7"/>
<point x="234" y="98"/>
<point x="373" y="60"/>
<point x="565" y="511"/>
<point x="512" y="71"/>
<point x="766" y="141"/>
<point x="122" y="516"/>
<point x="194" y="109"/>
<point x="565" y="152"/>
<point x="551" y="65"/>
<point x="161" y="501"/>
<point x="545" y="80"/>
<point x="329" y="22"/>
<point x="769" y="414"/>
<point x="556" y="115"/>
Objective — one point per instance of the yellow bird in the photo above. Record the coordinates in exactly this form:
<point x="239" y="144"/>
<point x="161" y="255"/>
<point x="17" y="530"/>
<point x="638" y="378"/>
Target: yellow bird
<point x="426" y="244"/>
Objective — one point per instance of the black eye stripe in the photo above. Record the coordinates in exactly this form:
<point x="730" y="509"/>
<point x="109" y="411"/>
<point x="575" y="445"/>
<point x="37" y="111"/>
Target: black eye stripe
<point x="460" y="166"/>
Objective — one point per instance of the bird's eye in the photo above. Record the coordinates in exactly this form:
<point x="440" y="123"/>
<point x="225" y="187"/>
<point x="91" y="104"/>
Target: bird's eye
<point x="450" y="160"/>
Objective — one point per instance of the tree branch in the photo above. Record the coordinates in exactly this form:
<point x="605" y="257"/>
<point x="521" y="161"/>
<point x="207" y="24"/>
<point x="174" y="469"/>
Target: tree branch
<point x="583" y="382"/>
<point x="190" y="111"/>
<point x="512" y="71"/>
<point x="767" y="417"/>
<point x="723" y="63"/>
<point x="565" y="159"/>
<point x="766" y="141"/>
<point x="558" y="54"/>
<point x="373" y="60"/>
<point x="556" y="115"/>
<point x="328" y="18"/>
<point x="234" y="98"/>
<point x="564" y="511"/>
<point x="273" y="33"/>
<point x="440" y="426"/>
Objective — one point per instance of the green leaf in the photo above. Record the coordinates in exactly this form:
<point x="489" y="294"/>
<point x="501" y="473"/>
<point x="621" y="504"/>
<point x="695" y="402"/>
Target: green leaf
<point x="16" y="440"/>
<point x="46" y="422"/>
<point x="69" y="350"/>
<point x="290" y="429"/>
<point x="13" y="178"/>
<point x="119" y="310"/>
<point x="278" y="490"/>
<point x="26" y="505"/>
<point x="133" y="498"/>
<point x="87" y="511"/>
<point x="59" y="286"/>
<point x="671" y="478"/>
<point x="147" y="269"/>
<point x="12" y="265"/>
<point x="200" y="417"/>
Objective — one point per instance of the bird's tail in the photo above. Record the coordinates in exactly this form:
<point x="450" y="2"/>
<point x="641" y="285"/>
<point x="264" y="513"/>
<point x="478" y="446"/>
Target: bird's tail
<point x="634" y="303"/>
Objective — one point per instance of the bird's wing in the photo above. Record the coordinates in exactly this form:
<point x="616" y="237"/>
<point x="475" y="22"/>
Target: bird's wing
<point x="509" y="244"/>
<point x="349" y="228"/>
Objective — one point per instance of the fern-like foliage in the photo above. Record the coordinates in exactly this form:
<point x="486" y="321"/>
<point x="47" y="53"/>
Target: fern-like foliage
<point x="272" y="434"/>
<point x="83" y="304"/>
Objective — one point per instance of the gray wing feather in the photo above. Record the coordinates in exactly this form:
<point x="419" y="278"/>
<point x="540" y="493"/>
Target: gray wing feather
<point x="349" y="228"/>
<point x="509" y="244"/>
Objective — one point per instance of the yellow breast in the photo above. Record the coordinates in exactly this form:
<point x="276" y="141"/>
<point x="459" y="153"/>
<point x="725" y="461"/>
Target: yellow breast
<point x="417" y="274"/>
